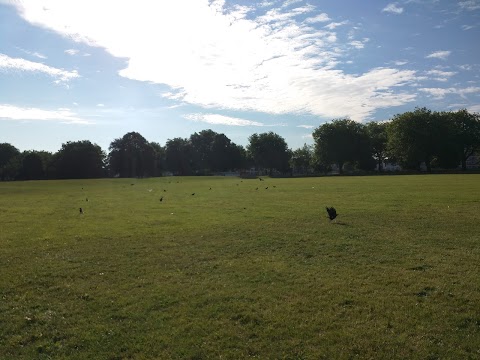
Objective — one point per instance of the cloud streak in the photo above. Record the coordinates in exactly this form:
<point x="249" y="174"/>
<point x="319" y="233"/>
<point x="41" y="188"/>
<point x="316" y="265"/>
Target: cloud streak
<point x="442" y="55"/>
<point x="63" y="115"/>
<point x="393" y="9"/>
<point x="216" y="119"/>
<point x="17" y="64"/>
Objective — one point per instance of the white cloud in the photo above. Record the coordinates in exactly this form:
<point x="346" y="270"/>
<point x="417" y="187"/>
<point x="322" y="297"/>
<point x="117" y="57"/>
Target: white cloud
<point x="400" y="62"/>
<point x="470" y="5"/>
<point x="440" y="75"/>
<point x="443" y="54"/>
<point x="359" y="44"/>
<point x="306" y="126"/>
<point x="393" y="8"/>
<point x="474" y="108"/>
<point x="334" y="25"/>
<point x="288" y="3"/>
<point x="467" y="27"/>
<point x="101" y="105"/>
<point x="216" y="119"/>
<point x="319" y="18"/>
<point x="440" y="93"/>
<point x="217" y="57"/>
<point x="33" y="53"/>
<point x="17" y="64"/>
<point x="71" y="52"/>
<point x="62" y="115"/>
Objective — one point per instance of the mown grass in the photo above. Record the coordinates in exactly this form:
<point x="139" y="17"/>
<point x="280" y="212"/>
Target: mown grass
<point x="235" y="272"/>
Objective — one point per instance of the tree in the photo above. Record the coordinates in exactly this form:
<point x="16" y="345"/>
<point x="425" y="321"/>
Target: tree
<point x="131" y="156"/>
<point x="417" y="136"/>
<point x="377" y="133"/>
<point x="466" y="134"/>
<point x="342" y="141"/>
<point x="301" y="160"/>
<point x="178" y="156"/>
<point x="9" y="161"/>
<point x="269" y="151"/>
<point x="159" y="159"/>
<point x="79" y="160"/>
<point x="35" y="165"/>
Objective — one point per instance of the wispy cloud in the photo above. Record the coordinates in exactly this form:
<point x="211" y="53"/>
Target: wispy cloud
<point x="71" y="52"/>
<point x="271" y="61"/>
<point x="393" y="8"/>
<point x="318" y="18"/>
<point x="467" y="27"/>
<point x="440" y="75"/>
<point x="442" y="54"/>
<point x="34" y="53"/>
<point x="63" y="115"/>
<point x="16" y="64"/>
<point x="217" y="119"/>
<point x="400" y="62"/>
<point x="470" y="5"/>
<point x="474" y="108"/>
<point x="359" y="44"/>
<point x="440" y="93"/>
<point x="306" y="126"/>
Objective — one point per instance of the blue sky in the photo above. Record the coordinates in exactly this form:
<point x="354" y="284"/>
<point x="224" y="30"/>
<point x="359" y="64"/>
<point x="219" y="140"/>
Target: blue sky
<point x="95" y="70"/>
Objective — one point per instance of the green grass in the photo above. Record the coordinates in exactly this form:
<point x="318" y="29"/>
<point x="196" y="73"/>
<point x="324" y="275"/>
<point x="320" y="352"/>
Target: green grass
<point x="235" y="272"/>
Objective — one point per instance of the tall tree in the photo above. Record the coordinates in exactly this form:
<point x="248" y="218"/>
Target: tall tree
<point x="79" y="160"/>
<point x="466" y="134"/>
<point x="302" y="158"/>
<point x="377" y="133"/>
<point x="269" y="151"/>
<point x="417" y="136"/>
<point x="341" y="141"/>
<point x="9" y="161"/>
<point x="131" y="156"/>
<point x="35" y="165"/>
<point x="178" y="156"/>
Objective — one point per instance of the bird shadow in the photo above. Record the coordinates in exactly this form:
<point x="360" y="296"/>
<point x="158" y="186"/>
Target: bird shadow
<point x="339" y="223"/>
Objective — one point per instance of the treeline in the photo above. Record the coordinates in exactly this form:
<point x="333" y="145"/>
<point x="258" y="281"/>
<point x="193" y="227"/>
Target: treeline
<point x="443" y="140"/>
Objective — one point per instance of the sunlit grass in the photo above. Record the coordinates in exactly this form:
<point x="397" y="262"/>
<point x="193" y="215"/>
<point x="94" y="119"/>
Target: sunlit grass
<point x="234" y="272"/>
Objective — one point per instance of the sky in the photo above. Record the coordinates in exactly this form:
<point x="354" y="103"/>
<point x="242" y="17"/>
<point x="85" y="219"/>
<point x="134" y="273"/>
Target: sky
<point x="96" y="70"/>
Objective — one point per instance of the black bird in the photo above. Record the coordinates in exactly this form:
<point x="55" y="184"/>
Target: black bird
<point x="193" y="194"/>
<point x="161" y="199"/>
<point x="260" y="179"/>
<point x="210" y="189"/>
<point x="332" y="213"/>
<point x="132" y="184"/>
<point x="86" y="199"/>
<point x="266" y="188"/>
<point x="81" y="211"/>
<point x="256" y="189"/>
<point x="164" y="190"/>
<point x="274" y="186"/>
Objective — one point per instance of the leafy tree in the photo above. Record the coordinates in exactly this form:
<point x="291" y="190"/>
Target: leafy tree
<point x="269" y="151"/>
<point x="417" y="136"/>
<point x="9" y="161"/>
<point x="465" y="134"/>
<point x="342" y="141"/>
<point x="178" y="155"/>
<point x="377" y="133"/>
<point x="159" y="159"/>
<point x="35" y="165"/>
<point x="202" y="152"/>
<point x="79" y="160"/>
<point x="132" y="156"/>
<point x="301" y="160"/>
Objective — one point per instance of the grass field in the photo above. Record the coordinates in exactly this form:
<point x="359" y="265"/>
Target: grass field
<point x="234" y="272"/>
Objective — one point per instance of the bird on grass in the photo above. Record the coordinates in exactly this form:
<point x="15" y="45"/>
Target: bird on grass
<point x="161" y="199"/>
<point x="193" y="194"/>
<point x="260" y="179"/>
<point x="266" y="188"/>
<point x="332" y="213"/>
<point x="81" y="211"/>
<point x="86" y="199"/>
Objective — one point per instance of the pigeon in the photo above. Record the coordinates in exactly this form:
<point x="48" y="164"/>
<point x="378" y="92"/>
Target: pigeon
<point x="332" y="213"/>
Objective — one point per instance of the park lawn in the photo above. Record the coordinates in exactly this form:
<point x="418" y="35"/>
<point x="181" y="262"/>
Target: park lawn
<point x="234" y="272"/>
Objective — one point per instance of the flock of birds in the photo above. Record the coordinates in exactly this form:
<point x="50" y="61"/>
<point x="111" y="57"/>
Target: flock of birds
<point x="331" y="211"/>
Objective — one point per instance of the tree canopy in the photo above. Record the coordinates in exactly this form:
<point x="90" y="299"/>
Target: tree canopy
<point x="269" y="151"/>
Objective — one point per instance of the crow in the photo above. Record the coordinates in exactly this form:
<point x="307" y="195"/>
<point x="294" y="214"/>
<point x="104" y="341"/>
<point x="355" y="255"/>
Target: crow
<point x="193" y="194"/>
<point x="161" y="199"/>
<point x="86" y="199"/>
<point x="332" y="213"/>
<point x="256" y="189"/>
<point x="210" y="189"/>
<point x="260" y="179"/>
<point x="81" y="211"/>
<point x="164" y="190"/>
<point x="266" y="188"/>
